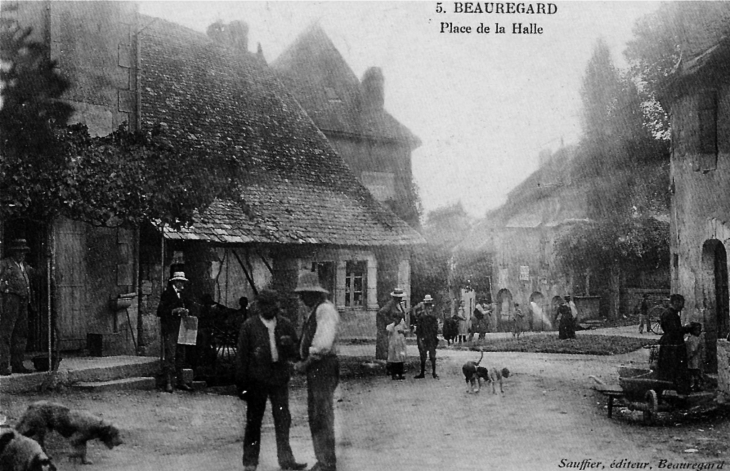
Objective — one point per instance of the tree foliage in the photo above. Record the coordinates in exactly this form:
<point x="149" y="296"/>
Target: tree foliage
<point x="48" y="169"/>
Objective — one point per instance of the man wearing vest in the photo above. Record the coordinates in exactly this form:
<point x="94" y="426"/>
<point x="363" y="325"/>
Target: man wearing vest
<point x="15" y="288"/>
<point x="318" y="350"/>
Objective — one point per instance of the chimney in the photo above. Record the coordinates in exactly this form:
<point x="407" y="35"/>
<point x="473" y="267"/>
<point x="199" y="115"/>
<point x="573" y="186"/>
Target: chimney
<point x="234" y="34"/>
<point x="372" y="89"/>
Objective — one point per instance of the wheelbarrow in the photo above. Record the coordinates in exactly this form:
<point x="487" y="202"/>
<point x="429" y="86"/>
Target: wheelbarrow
<point x="640" y="389"/>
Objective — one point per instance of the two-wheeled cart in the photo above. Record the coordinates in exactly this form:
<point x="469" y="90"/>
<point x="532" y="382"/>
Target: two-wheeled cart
<point x="640" y="389"/>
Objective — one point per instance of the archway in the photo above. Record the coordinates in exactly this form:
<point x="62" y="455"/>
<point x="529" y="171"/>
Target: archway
<point x="539" y="317"/>
<point x="504" y="309"/>
<point x="716" y="299"/>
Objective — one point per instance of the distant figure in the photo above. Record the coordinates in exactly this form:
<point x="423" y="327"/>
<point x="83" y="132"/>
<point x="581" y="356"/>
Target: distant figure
<point x="397" y="347"/>
<point x="566" y="324"/>
<point x="644" y="314"/>
<point x="173" y="308"/>
<point x="518" y="319"/>
<point x="451" y="329"/>
<point x="480" y="321"/>
<point x="461" y="317"/>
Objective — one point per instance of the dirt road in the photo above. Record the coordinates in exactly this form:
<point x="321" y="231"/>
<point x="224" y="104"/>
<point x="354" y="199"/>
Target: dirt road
<point x="548" y="419"/>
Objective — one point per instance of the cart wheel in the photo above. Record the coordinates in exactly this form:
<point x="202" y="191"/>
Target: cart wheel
<point x="652" y="406"/>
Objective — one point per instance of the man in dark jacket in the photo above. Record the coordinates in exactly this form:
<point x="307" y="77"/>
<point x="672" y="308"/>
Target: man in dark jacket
<point x="15" y="277"/>
<point x="266" y="343"/>
<point x="172" y="309"/>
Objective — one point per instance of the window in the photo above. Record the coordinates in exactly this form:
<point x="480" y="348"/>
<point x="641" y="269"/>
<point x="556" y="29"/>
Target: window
<point x="707" y="119"/>
<point x="355" y="283"/>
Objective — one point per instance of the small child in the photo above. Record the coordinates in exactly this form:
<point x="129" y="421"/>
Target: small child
<point x="695" y="355"/>
<point x="396" y="348"/>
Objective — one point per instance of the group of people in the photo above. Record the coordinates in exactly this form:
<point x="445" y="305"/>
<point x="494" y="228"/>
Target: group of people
<point x="392" y="320"/>
<point x="268" y="345"/>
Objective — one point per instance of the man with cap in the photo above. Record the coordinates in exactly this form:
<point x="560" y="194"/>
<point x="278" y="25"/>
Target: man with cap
<point x="393" y="310"/>
<point x="172" y="308"/>
<point x="15" y="277"/>
<point x="427" y="326"/>
<point x="267" y="341"/>
<point x="318" y="351"/>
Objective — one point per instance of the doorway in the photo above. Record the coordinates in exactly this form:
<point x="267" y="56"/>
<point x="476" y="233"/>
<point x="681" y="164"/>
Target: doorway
<point x="716" y="299"/>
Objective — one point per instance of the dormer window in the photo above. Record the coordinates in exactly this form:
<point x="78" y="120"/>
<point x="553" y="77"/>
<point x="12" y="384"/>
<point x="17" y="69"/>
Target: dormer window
<point x="332" y="95"/>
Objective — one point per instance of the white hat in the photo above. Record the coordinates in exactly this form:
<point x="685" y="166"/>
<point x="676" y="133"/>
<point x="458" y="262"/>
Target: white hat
<point x="178" y="276"/>
<point x="308" y="282"/>
<point x="428" y="299"/>
<point x="398" y="293"/>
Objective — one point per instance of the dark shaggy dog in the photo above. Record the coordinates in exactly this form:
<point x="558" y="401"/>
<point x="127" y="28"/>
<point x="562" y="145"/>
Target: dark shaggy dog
<point x="78" y="426"/>
<point x="19" y="453"/>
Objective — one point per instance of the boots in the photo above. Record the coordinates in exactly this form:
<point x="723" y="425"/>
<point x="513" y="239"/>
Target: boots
<point x="433" y="369"/>
<point x="423" y="369"/>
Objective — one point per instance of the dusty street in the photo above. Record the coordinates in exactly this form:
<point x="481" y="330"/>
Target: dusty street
<point x="548" y="414"/>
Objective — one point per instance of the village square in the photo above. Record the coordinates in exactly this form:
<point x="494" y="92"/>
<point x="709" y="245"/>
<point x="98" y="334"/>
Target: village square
<point x="215" y="256"/>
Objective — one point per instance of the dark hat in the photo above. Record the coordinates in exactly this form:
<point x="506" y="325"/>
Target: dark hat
<point x="308" y="282"/>
<point x="19" y="245"/>
<point x="267" y="297"/>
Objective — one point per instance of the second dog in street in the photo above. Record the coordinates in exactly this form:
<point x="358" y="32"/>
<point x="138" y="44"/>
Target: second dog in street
<point x="76" y="425"/>
<point x="474" y="374"/>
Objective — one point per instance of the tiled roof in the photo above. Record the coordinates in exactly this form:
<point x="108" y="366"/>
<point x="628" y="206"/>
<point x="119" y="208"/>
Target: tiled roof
<point x="318" y="76"/>
<point x="227" y="101"/>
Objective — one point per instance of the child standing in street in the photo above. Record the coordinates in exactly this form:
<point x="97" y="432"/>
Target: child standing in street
<point x="396" y="347"/>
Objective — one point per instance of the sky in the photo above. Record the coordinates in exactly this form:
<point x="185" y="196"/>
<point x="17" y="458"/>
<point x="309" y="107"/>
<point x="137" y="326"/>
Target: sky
<point x="483" y="105"/>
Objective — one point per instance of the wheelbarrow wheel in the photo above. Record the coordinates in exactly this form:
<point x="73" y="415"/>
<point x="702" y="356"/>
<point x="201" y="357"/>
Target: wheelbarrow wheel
<point x="652" y="406"/>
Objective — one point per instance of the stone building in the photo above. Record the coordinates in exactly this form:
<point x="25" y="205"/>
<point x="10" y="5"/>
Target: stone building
<point x="351" y="113"/>
<point x="304" y="209"/>
<point x="698" y="98"/>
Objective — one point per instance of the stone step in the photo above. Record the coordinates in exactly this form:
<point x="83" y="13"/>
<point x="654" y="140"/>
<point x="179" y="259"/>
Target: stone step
<point x="146" y="383"/>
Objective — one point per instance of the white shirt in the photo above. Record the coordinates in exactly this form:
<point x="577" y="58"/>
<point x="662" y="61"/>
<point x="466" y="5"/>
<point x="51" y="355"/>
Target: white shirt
<point x="271" y="326"/>
<point x="324" y="340"/>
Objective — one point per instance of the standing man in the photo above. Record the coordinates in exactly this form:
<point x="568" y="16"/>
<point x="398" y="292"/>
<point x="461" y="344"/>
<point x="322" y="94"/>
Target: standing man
<point x="15" y="288"/>
<point x="318" y="351"/>
<point x="427" y="327"/>
<point x="266" y="343"/>
<point x="392" y="310"/>
<point x="672" y="361"/>
<point x="172" y="308"/>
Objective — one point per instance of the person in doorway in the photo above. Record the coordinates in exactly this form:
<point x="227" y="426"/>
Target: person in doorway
<point x="427" y="326"/>
<point x="695" y="355"/>
<point x="318" y="351"/>
<point x="173" y="307"/>
<point x="644" y="314"/>
<point x="672" y="358"/>
<point x="397" y="348"/>
<point x="15" y="277"/>
<point x="392" y="310"/>
<point x="266" y="344"/>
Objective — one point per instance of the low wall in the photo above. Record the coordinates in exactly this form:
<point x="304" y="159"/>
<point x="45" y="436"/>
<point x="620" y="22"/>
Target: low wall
<point x="588" y="307"/>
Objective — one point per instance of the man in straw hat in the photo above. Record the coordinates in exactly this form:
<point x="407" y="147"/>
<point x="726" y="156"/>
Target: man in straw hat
<point x="318" y="350"/>
<point x="393" y="310"/>
<point x="15" y="288"/>
<point x="266" y="344"/>
<point x="427" y="327"/>
<point x="172" y="308"/>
